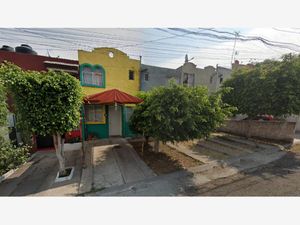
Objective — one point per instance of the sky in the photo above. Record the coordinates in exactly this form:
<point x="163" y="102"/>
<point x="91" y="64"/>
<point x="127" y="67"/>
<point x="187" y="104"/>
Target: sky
<point x="165" y="47"/>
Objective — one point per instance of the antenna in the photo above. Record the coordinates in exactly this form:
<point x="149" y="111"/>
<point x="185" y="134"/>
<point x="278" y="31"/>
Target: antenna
<point x="233" y="50"/>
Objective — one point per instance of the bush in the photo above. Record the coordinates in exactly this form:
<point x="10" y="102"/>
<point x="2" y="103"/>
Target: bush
<point x="176" y="113"/>
<point x="11" y="156"/>
<point x="269" y="88"/>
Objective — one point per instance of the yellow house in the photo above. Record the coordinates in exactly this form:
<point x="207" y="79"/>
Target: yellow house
<point x="120" y="71"/>
<point x="101" y="70"/>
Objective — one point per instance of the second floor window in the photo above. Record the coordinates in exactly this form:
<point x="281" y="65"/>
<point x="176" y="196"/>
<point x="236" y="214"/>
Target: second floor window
<point x="146" y="76"/>
<point x="92" y="75"/>
<point x="188" y="79"/>
<point x="131" y="75"/>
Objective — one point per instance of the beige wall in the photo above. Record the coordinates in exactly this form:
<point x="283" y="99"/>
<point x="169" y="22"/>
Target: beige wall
<point x="208" y="76"/>
<point x="273" y="130"/>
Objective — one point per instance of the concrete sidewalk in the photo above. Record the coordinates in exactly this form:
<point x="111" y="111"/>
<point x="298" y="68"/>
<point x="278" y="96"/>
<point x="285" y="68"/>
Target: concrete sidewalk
<point x="113" y="163"/>
<point x="36" y="177"/>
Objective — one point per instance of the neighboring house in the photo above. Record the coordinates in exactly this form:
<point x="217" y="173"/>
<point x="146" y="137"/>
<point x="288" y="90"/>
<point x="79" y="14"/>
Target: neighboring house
<point x="237" y="65"/>
<point x="27" y="59"/>
<point x="154" y="76"/>
<point x="104" y="70"/>
<point x="188" y="74"/>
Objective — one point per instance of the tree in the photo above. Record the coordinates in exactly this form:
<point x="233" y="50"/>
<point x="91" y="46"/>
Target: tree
<point x="177" y="113"/>
<point x="3" y="111"/>
<point x="271" y="87"/>
<point x="47" y="102"/>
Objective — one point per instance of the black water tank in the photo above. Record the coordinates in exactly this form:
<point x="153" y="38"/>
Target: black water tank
<point x="7" y="48"/>
<point x="25" y="49"/>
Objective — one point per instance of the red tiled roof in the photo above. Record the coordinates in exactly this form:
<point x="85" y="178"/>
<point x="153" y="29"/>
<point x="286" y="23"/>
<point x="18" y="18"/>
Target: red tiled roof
<point x="111" y="97"/>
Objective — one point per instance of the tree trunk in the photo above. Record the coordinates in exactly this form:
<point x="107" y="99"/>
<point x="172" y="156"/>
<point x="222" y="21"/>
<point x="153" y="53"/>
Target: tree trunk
<point x="59" y="149"/>
<point x="156" y="145"/>
<point x="147" y="140"/>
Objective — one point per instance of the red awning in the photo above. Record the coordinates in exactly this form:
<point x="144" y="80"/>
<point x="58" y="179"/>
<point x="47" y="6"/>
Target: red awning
<point x="111" y="97"/>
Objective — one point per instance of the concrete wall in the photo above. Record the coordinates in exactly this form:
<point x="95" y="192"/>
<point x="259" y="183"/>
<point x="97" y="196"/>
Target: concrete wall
<point x="116" y="70"/>
<point x="157" y="76"/>
<point x="273" y="130"/>
<point x="295" y="118"/>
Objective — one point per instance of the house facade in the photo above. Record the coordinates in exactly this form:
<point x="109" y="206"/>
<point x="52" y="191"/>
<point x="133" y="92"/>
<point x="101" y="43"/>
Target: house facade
<point x="103" y="70"/>
<point x="188" y="74"/>
<point x="154" y="76"/>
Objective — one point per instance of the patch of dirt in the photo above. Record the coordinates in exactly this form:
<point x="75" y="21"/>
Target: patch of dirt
<point x="166" y="161"/>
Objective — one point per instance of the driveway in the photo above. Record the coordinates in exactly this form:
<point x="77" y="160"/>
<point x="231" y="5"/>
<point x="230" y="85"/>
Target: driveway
<point x="38" y="175"/>
<point x="110" y="162"/>
<point x="114" y="162"/>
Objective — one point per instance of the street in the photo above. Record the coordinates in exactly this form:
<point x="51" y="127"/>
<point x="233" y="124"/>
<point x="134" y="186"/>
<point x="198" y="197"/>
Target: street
<point x="280" y="178"/>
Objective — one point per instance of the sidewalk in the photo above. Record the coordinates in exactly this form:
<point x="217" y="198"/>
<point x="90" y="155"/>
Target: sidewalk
<point x="176" y="184"/>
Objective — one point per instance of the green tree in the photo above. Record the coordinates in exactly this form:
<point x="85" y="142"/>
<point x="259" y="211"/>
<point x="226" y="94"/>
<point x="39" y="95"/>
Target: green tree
<point x="48" y="103"/>
<point x="3" y="113"/>
<point x="270" y="87"/>
<point x="3" y="107"/>
<point x="177" y="113"/>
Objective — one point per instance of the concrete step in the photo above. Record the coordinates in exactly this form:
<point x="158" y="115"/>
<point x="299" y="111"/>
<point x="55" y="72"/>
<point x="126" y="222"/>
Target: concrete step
<point x="255" y="146"/>
<point x="218" y="148"/>
<point x="232" y="145"/>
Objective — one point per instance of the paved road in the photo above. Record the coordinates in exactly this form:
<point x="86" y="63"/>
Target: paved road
<point x="281" y="178"/>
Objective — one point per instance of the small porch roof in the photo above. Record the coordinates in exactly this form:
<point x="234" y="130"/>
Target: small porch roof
<point x="111" y="97"/>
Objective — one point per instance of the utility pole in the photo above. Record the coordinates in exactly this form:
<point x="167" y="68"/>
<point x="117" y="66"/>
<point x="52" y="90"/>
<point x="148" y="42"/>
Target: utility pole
<point x="233" y="50"/>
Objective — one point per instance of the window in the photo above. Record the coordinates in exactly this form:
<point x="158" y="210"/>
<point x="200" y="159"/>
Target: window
<point x="146" y="76"/>
<point x="211" y="79"/>
<point x="92" y="75"/>
<point x="97" y="76"/>
<point x="95" y="113"/>
<point x="87" y="75"/>
<point x="131" y="75"/>
<point x="111" y="54"/>
<point x="188" y="79"/>
<point x="221" y="78"/>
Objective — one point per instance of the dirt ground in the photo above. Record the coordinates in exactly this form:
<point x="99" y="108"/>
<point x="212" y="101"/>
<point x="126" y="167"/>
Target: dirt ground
<point x="166" y="161"/>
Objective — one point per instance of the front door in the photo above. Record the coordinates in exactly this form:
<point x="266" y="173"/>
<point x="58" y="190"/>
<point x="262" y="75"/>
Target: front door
<point x="115" y="121"/>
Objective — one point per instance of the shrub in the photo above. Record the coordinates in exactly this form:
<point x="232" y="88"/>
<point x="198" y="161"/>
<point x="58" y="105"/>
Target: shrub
<point x="270" y="87"/>
<point x="11" y="156"/>
<point x="177" y="113"/>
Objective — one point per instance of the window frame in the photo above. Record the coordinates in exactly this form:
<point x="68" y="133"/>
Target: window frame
<point x="101" y="109"/>
<point x="93" y="68"/>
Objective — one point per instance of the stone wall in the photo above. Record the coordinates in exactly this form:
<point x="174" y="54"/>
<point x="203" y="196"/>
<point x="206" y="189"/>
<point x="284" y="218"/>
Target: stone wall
<point x="273" y="130"/>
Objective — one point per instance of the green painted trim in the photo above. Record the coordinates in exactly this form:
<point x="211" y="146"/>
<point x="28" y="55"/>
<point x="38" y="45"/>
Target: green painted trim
<point x="123" y="121"/>
<point x="93" y="67"/>
<point x="107" y="119"/>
